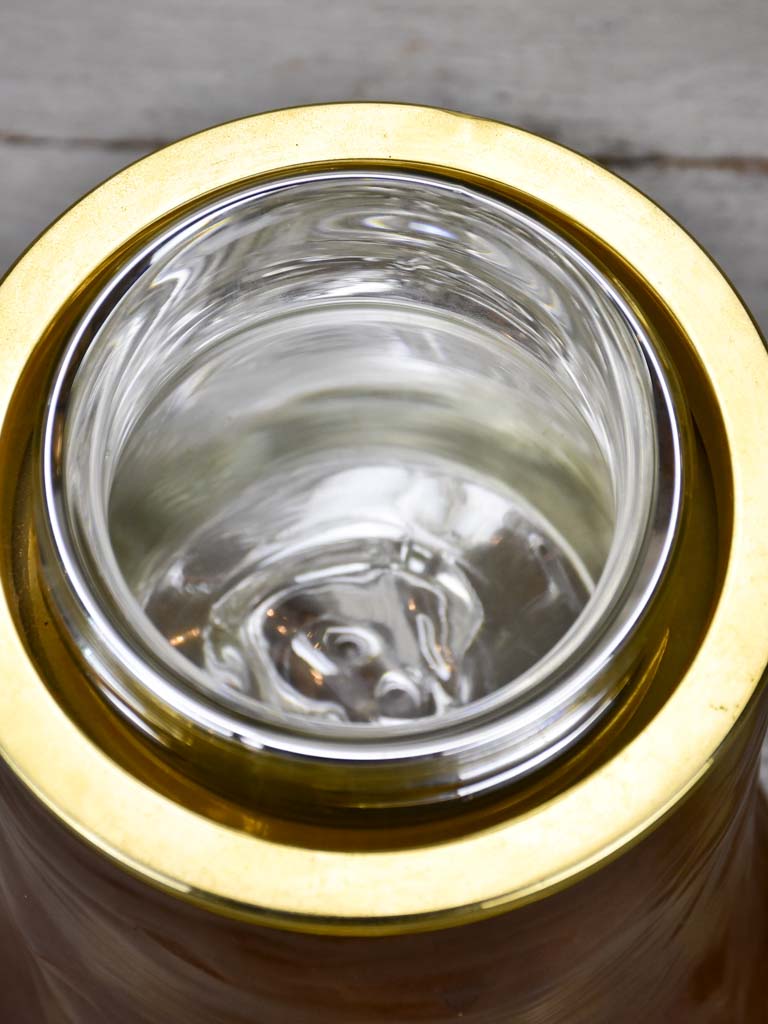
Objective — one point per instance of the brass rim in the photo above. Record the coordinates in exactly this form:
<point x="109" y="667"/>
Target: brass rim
<point x="479" y="874"/>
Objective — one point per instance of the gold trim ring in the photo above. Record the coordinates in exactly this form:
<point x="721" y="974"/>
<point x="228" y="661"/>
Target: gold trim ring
<point x="448" y="880"/>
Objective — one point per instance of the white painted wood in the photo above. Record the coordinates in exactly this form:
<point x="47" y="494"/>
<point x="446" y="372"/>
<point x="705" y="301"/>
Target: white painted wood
<point x="674" y="93"/>
<point x="672" y="76"/>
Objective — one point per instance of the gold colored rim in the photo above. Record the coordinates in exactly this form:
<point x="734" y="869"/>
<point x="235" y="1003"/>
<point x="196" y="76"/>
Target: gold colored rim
<point x="477" y="875"/>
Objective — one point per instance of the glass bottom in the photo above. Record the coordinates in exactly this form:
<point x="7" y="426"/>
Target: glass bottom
<point x="377" y="546"/>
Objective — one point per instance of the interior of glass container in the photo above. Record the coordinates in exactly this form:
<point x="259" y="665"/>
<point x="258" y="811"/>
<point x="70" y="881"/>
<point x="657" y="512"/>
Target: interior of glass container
<point x="358" y="453"/>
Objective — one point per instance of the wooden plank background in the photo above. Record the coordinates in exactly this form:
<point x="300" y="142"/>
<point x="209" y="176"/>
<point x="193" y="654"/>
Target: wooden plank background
<point x="673" y="94"/>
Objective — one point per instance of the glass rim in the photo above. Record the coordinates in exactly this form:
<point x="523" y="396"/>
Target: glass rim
<point x="488" y="718"/>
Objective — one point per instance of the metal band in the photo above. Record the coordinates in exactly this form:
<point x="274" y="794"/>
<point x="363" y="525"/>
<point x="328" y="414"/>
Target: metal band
<point x="485" y="871"/>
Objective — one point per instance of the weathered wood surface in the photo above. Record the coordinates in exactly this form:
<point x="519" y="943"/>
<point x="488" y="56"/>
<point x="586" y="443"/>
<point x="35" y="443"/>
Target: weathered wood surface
<point x="671" y="93"/>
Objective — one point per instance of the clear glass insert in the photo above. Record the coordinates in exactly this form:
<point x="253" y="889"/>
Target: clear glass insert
<point x="358" y="456"/>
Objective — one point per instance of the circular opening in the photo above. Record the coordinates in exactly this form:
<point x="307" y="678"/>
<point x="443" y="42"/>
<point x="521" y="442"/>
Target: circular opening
<point x="351" y="460"/>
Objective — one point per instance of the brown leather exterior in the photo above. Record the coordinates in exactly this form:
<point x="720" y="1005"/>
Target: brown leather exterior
<point x="675" y="931"/>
